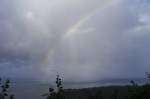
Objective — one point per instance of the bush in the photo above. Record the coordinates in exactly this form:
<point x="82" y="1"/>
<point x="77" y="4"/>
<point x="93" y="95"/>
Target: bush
<point x="4" y="89"/>
<point x="58" y="93"/>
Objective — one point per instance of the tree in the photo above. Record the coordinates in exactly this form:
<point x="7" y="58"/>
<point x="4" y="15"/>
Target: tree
<point x="59" y="92"/>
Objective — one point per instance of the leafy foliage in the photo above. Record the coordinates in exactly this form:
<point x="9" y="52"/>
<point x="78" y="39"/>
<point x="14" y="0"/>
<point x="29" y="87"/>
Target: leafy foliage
<point x="133" y="91"/>
<point x="58" y="93"/>
<point x="140" y="92"/>
<point x="4" y="89"/>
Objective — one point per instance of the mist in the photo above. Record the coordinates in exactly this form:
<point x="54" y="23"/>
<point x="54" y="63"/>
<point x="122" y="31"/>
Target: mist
<point x="82" y="40"/>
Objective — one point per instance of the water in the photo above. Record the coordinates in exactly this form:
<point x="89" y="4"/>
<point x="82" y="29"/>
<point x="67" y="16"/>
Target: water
<point x="35" y="90"/>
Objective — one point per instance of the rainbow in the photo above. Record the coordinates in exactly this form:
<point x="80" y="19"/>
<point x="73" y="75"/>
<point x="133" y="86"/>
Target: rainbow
<point x="71" y="30"/>
<point x="82" y="20"/>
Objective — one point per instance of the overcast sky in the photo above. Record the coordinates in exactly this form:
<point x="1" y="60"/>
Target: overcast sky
<point x="82" y="40"/>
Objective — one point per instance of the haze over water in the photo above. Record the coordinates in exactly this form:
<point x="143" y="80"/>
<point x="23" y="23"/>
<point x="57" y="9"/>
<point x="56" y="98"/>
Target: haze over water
<point x="35" y="89"/>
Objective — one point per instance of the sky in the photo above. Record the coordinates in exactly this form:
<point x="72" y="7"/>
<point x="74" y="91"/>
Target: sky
<point x="82" y="40"/>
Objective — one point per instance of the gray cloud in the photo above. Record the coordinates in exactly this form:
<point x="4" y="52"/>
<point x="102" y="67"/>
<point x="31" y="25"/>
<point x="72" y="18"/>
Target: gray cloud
<point x="82" y="39"/>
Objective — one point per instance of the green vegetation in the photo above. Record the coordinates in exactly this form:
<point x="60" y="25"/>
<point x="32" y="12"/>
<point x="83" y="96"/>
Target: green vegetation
<point x="4" y="89"/>
<point x="133" y="91"/>
<point x="108" y="92"/>
<point x="58" y="93"/>
<point x="140" y="92"/>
